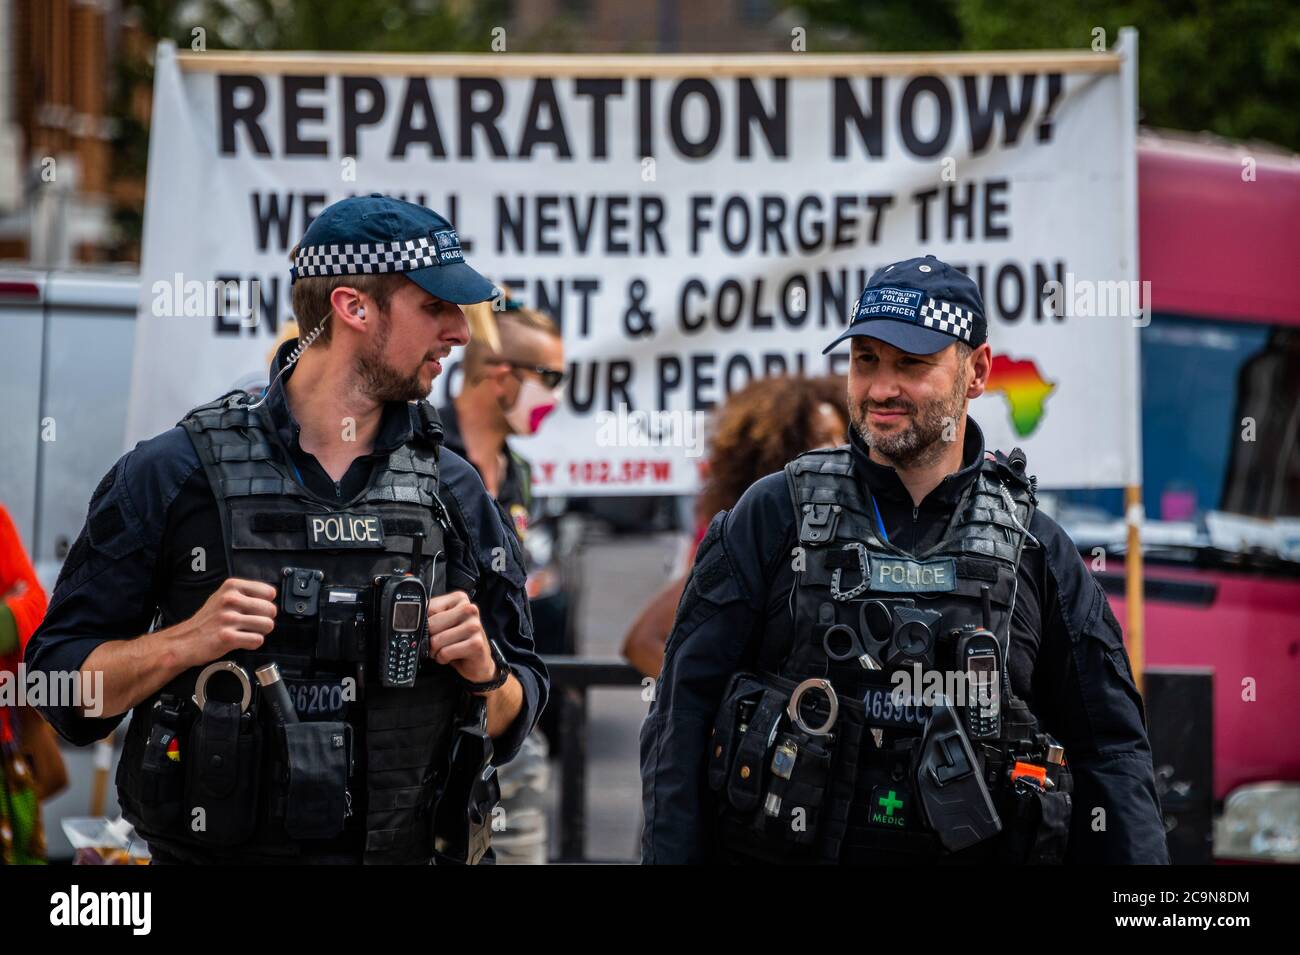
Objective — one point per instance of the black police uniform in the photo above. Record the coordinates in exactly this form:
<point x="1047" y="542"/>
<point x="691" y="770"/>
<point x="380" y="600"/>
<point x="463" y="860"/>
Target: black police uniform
<point x="776" y="733"/>
<point x="515" y="496"/>
<point x="362" y="774"/>
<point x="1066" y="663"/>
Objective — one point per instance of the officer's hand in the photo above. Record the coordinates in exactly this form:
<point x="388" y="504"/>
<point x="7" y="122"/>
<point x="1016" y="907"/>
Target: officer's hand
<point x="457" y="637"/>
<point x="238" y="616"/>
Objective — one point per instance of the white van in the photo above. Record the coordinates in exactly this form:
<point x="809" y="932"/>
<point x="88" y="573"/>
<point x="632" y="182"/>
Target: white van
<point x="66" y="343"/>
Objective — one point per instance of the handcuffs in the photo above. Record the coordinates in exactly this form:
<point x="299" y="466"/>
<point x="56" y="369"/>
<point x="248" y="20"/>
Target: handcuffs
<point x="792" y="708"/>
<point x="200" y="696"/>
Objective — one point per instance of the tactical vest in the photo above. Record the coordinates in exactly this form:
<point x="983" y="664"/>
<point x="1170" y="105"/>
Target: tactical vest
<point x="894" y="774"/>
<point x="272" y="788"/>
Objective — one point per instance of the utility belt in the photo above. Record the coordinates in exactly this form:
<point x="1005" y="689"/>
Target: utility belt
<point x="253" y="755"/>
<point x="804" y="774"/>
<point x="217" y="773"/>
<point x="224" y="776"/>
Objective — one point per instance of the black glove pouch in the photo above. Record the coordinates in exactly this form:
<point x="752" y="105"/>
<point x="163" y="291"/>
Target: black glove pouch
<point x="223" y="767"/>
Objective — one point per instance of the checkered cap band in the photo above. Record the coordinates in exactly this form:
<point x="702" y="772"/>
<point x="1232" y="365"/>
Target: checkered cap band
<point x="948" y="318"/>
<point x="365" y="258"/>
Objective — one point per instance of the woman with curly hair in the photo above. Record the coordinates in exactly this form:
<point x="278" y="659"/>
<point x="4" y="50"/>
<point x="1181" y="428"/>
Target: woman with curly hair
<point x="759" y="429"/>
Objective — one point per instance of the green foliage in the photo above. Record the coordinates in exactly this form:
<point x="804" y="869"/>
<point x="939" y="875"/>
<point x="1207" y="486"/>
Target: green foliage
<point x="1228" y="66"/>
<point x="392" y="26"/>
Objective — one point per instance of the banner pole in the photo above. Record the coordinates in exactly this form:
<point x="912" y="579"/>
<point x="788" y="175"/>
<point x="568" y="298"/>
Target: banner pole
<point x="1127" y="48"/>
<point x="713" y="65"/>
<point x="103" y="762"/>
<point x="1133" y="590"/>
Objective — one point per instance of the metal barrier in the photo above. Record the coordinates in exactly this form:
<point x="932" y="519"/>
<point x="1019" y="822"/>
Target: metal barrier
<point x="571" y="677"/>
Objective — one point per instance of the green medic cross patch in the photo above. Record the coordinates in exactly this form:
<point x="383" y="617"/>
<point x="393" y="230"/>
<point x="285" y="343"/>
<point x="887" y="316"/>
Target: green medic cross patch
<point x="888" y="807"/>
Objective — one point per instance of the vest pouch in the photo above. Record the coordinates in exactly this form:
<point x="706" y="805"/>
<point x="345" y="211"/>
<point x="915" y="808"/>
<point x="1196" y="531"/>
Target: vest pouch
<point x="744" y="784"/>
<point x="739" y="704"/>
<point x="223" y="766"/>
<point x="763" y="815"/>
<point x="1037" y="825"/>
<point x="162" y="774"/>
<point x="887" y="826"/>
<point x="792" y="806"/>
<point x="341" y="629"/>
<point x="317" y="759"/>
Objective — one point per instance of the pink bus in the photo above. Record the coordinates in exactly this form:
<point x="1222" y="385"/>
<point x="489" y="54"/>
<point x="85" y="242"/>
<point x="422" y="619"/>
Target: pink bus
<point x="1219" y="227"/>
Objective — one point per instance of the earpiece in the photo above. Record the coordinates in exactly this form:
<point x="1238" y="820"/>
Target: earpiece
<point x="361" y="313"/>
<point x="303" y="345"/>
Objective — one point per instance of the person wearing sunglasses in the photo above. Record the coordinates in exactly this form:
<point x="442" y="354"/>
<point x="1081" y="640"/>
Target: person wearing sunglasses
<point x="510" y="385"/>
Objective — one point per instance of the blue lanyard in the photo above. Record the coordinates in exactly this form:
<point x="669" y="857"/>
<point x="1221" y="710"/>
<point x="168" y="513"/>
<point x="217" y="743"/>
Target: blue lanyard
<point x="879" y="520"/>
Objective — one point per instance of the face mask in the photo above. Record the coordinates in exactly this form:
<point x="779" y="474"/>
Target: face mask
<point x="534" y="403"/>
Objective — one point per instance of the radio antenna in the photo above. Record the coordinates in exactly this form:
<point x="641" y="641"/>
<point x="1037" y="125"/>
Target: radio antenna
<point x="417" y="552"/>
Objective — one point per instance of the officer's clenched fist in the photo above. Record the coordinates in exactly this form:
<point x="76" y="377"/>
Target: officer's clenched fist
<point x="457" y="637"/>
<point x="238" y="616"/>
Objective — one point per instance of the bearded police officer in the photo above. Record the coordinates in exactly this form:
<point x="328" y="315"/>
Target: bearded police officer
<point x="886" y="653"/>
<point x="341" y="644"/>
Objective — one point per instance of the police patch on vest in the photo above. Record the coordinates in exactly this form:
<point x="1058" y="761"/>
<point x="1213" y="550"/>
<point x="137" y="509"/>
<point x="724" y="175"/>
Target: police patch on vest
<point x="343" y="530"/>
<point x="903" y="575"/>
<point x="888" y="807"/>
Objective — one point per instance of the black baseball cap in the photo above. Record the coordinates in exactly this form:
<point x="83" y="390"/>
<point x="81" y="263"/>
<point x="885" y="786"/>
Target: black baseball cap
<point x="368" y="235"/>
<point x="920" y="306"/>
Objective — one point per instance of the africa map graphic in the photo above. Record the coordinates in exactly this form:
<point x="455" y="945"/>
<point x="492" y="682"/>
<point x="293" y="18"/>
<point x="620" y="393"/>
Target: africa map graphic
<point x="1025" y="389"/>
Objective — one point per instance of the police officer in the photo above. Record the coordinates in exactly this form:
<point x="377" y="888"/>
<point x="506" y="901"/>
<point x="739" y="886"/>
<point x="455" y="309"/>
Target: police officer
<point x="886" y="653"/>
<point x="341" y="644"/>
